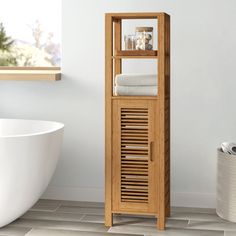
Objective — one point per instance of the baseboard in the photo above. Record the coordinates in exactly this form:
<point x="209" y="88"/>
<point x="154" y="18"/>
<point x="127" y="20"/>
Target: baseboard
<point x="191" y="199"/>
<point x="185" y="199"/>
<point x="74" y="194"/>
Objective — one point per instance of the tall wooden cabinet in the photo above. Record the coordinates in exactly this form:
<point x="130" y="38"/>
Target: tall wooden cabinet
<point x="137" y="137"/>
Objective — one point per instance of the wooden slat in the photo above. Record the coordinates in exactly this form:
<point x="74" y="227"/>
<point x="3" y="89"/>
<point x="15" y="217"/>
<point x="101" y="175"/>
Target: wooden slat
<point x="138" y="174"/>
<point x="142" y="187"/>
<point x="126" y="179"/>
<point x="135" y="142"/>
<point x="133" y="163"/>
<point x="134" y="197"/>
<point x="134" y="158"/>
<point x="138" y="122"/>
<point x="133" y="200"/>
<point x="133" y="176"/>
<point x="130" y="193"/>
<point x="133" y="136"/>
<point x="135" y="167"/>
<point x="136" y="117"/>
<point x="134" y="110"/>
<point x="137" y="191"/>
<point x="133" y="185"/>
<point x="126" y="148"/>
<point x="124" y="164"/>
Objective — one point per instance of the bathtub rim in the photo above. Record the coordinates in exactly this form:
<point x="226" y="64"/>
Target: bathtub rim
<point x="52" y="130"/>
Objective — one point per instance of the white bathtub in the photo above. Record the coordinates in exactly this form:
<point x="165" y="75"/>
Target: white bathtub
<point x="29" y="151"/>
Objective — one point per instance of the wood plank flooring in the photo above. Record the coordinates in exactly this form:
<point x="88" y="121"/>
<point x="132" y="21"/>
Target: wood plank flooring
<point x="52" y="218"/>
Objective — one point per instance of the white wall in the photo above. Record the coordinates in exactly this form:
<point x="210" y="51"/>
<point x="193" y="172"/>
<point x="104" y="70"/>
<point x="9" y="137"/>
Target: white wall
<point x="203" y="49"/>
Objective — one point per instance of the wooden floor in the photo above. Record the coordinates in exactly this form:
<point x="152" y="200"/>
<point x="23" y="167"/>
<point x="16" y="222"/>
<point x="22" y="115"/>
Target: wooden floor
<point x="52" y="218"/>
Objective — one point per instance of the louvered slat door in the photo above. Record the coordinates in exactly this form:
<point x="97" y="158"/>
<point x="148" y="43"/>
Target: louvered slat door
<point x="134" y="160"/>
<point x="134" y="155"/>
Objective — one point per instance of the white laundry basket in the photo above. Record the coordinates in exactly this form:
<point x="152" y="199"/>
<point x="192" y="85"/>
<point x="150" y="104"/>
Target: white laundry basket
<point x="226" y="186"/>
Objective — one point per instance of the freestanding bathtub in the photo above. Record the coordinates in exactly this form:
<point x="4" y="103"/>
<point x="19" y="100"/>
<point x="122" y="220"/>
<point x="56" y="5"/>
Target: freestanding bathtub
<point x="29" y="151"/>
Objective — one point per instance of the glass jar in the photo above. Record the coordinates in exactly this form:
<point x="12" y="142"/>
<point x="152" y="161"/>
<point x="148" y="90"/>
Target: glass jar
<point x="130" y="42"/>
<point x="144" y="38"/>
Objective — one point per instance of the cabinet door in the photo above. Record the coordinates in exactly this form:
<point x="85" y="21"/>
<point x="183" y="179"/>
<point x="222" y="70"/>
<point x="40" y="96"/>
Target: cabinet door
<point x="134" y="161"/>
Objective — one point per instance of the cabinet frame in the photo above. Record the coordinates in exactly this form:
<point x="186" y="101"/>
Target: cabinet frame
<point x="161" y="104"/>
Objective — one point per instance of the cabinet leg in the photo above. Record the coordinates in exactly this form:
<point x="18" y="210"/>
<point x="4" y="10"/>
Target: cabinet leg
<point x="161" y="222"/>
<point x="168" y="211"/>
<point x="108" y="219"/>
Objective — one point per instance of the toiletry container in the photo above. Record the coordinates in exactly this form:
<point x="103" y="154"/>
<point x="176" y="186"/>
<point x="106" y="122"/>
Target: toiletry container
<point x="130" y="42"/>
<point x="226" y="186"/>
<point x="144" y="38"/>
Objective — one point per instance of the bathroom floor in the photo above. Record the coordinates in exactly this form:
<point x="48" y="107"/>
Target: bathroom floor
<point x="52" y="218"/>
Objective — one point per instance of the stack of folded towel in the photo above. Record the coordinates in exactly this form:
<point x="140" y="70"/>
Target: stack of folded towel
<point x="136" y="85"/>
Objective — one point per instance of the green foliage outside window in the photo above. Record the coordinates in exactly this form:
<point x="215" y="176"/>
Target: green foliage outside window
<point x="6" y="44"/>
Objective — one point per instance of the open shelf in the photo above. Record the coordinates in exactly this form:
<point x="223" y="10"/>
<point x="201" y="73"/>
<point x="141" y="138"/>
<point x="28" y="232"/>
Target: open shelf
<point x="135" y="54"/>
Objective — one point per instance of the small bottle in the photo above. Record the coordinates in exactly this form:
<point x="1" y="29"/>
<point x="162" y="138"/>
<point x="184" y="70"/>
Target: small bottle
<point x="144" y="38"/>
<point x="130" y="42"/>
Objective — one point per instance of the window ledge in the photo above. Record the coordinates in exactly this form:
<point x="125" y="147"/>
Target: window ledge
<point x="27" y="74"/>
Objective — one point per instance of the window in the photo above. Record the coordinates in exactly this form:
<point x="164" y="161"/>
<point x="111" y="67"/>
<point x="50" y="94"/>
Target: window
<point x="30" y="33"/>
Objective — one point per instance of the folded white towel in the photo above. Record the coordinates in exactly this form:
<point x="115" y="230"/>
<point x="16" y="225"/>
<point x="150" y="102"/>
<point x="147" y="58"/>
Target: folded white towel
<point x="136" y="90"/>
<point x="136" y="79"/>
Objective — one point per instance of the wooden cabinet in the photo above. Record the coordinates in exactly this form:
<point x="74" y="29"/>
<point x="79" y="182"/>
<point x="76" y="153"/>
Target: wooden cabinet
<point x="137" y="152"/>
<point x="134" y="148"/>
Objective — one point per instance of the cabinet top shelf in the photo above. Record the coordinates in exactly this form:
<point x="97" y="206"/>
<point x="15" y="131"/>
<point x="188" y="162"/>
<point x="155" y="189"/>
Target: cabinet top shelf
<point x="137" y="15"/>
